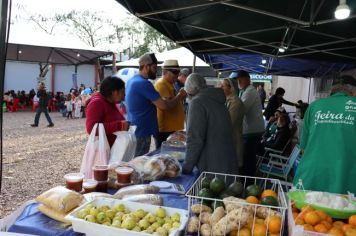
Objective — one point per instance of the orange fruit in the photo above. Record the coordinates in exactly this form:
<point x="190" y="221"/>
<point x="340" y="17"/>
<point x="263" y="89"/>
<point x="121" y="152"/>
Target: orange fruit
<point x="321" y="228"/>
<point x="274" y="224"/>
<point x="352" y="220"/>
<point x="321" y="214"/>
<point x="260" y="221"/>
<point x="308" y="227"/>
<point x="338" y="224"/>
<point x="304" y="211"/>
<point x="299" y="221"/>
<point x="329" y="219"/>
<point x="312" y="218"/>
<point x="244" y="232"/>
<point x="249" y="223"/>
<point x="295" y="214"/>
<point x="269" y="192"/>
<point x="252" y="199"/>
<point x="307" y="208"/>
<point x="336" y="231"/>
<point x="259" y="230"/>
<point x="345" y="227"/>
<point x="327" y="224"/>
<point x="350" y="232"/>
<point x="234" y="233"/>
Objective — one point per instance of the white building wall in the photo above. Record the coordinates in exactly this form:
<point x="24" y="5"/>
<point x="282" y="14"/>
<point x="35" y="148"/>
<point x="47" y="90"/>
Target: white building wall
<point x="23" y="76"/>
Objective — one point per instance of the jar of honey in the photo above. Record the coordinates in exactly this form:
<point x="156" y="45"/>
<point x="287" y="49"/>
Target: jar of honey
<point x="101" y="172"/>
<point x="123" y="174"/>
<point x="74" y="181"/>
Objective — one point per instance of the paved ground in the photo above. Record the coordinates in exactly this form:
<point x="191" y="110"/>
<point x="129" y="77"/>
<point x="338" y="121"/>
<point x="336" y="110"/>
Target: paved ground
<point x="36" y="159"/>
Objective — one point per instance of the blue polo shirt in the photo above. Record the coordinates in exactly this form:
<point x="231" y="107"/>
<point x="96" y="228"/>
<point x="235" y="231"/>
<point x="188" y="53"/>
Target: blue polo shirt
<point x="141" y="112"/>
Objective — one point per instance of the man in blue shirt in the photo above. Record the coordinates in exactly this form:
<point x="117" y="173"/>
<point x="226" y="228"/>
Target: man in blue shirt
<point x="142" y="100"/>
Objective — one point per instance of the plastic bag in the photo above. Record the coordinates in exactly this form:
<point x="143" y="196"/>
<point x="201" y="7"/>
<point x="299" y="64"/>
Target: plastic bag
<point x="60" y="199"/>
<point x="154" y="169"/>
<point x="97" y="151"/>
<point x="173" y="167"/>
<point x="178" y="139"/>
<point x="124" y="146"/>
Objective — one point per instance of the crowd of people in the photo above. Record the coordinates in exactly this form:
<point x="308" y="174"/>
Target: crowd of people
<point x="225" y="122"/>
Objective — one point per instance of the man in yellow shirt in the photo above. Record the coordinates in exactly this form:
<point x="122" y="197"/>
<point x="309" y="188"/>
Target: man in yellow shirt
<point x="170" y="120"/>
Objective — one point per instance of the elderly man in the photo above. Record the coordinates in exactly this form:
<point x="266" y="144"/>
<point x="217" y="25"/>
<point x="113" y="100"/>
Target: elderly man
<point x="182" y="77"/>
<point x="142" y="100"/>
<point x="210" y="144"/>
<point x="253" y="125"/>
<point x="328" y="140"/>
<point x="171" y="120"/>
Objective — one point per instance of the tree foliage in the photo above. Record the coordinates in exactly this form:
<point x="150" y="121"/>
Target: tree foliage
<point x="96" y="30"/>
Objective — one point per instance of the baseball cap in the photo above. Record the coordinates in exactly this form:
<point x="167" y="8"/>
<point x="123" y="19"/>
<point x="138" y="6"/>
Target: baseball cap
<point x="148" y="58"/>
<point x="233" y="75"/>
<point x="345" y="79"/>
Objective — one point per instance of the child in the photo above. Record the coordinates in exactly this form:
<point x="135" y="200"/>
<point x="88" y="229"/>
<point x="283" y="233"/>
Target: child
<point x="69" y="105"/>
<point x="78" y="105"/>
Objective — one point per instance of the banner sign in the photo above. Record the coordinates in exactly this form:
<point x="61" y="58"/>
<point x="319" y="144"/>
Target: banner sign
<point x="261" y="77"/>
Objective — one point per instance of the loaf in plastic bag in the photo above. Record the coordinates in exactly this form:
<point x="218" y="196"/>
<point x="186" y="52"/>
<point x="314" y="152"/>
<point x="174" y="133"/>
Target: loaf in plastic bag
<point x="60" y="199"/>
<point x="59" y="216"/>
<point x="178" y="139"/>
<point x="136" y="189"/>
<point x="152" y="199"/>
<point x="139" y="163"/>
<point x="173" y="167"/>
<point x="154" y="169"/>
<point x="88" y="197"/>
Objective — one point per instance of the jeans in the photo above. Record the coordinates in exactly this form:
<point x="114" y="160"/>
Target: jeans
<point x="38" y="114"/>
<point x="160" y="137"/>
<point x="143" y="145"/>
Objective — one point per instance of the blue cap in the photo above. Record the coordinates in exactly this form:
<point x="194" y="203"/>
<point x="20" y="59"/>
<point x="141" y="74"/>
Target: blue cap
<point x="233" y="75"/>
<point x="86" y="91"/>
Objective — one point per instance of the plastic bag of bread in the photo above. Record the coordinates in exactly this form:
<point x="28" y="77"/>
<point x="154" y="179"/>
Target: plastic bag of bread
<point x="178" y="136"/>
<point x="59" y="216"/>
<point x="139" y="162"/>
<point x="173" y="167"/>
<point x="88" y="197"/>
<point x="60" y="199"/>
<point x="152" y="199"/>
<point x="136" y="189"/>
<point x="154" y="169"/>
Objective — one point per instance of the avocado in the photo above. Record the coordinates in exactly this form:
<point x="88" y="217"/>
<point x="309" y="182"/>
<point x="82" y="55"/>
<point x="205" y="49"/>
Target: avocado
<point x="236" y="189"/>
<point x="253" y="190"/>
<point x="224" y="194"/>
<point x="217" y="185"/>
<point x="269" y="201"/>
<point x="217" y="204"/>
<point x="205" y="192"/>
<point x="205" y="182"/>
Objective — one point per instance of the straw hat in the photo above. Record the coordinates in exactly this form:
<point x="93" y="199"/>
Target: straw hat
<point x="170" y="64"/>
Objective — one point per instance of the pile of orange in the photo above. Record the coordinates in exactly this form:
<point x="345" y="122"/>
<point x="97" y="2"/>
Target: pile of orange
<point x="265" y="193"/>
<point x="259" y="227"/>
<point x="319" y="221"/>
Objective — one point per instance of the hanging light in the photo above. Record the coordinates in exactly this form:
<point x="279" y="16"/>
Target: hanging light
<point x="264" y="61"/>
<point x="20" y="51"/>
<point x="281" y="49"/>
<point x="342" y="11"/>
<point x="78" y="55"/>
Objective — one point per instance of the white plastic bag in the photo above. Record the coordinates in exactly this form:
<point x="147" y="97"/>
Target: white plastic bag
<point x="97" y="151"/>
<point x="124" y="147"/>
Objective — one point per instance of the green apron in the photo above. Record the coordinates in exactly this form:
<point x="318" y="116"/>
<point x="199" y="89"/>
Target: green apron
<point x="329" y="142"/>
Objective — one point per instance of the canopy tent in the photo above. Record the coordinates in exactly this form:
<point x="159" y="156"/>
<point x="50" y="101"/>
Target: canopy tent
<point x="184" y="56"/>
<point x="235" y="34"/>
<point x="55" y="55"/>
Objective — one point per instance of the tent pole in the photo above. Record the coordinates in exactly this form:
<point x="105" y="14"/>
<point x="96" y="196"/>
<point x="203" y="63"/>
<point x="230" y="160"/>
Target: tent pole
<point x="53" y="77"/>
<point x="194" y="62"/>
<point x="4" y="27"/>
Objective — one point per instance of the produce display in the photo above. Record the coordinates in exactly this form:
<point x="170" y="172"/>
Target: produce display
<point x="227" y="205"/>
<point x="313" y="220"/>
<point x="134" y="217"/>
<point x="335" y="205"/>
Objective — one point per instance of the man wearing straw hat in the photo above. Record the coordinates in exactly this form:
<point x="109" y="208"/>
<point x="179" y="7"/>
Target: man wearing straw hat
<point x="171" y="120"/>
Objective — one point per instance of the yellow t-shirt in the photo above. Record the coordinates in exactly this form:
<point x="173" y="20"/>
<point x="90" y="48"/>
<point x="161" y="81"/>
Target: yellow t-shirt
<point x="173" y="119"/>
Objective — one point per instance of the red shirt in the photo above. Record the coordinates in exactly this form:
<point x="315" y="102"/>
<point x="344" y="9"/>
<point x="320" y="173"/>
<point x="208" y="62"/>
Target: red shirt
<point x="100" y="110"/>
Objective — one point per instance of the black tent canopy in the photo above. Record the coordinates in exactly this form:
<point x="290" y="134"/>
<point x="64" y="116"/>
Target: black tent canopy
<point x="55" y="55"/>
<point x="305" y="29"/>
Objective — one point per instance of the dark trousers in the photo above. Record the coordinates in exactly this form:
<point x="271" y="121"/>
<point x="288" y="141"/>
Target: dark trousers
<point x="251" y="145"/>
<point x="38" y="114"/>
<point x="69" y="114"/>
<point x="160" y="137"/>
